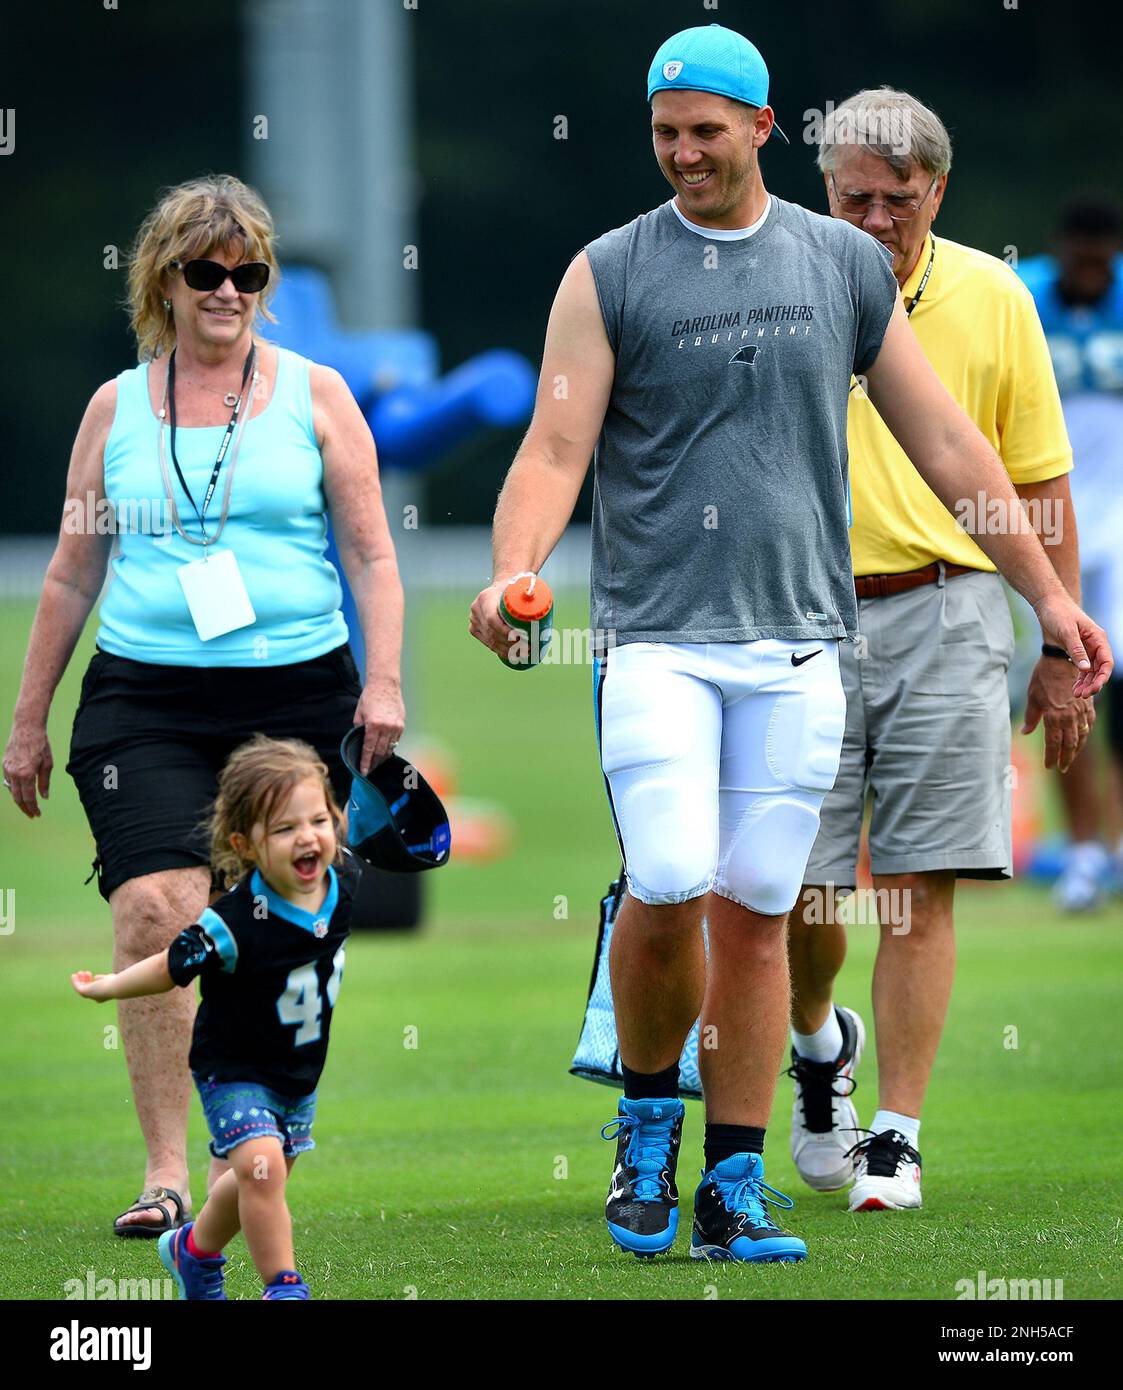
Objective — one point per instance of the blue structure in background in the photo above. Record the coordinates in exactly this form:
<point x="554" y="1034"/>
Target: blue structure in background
<point x="415" y="415"/>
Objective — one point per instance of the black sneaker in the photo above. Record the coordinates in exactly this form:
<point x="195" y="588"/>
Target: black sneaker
<point x="888" y="1173"/>
<point x="731" y="1221"/>
<point x="824" y="1121"/>
<point x="642" y="1205"/>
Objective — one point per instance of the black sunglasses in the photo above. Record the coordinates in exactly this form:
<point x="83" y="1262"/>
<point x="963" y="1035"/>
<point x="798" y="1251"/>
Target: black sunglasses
<point x="250" y="278"/>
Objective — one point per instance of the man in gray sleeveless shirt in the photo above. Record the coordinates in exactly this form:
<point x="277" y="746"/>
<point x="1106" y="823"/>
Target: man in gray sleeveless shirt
<point x="705" y="352"/>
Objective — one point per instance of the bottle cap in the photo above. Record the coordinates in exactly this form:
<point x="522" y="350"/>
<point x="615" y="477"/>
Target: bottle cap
<point x="528" y="598"/>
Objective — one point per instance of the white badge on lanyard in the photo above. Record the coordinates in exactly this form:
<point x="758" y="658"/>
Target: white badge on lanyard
<point x="216" y="594"/>
<point x="213" y="586"/>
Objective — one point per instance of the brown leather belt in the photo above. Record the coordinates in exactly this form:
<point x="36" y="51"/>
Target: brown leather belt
<point x="885" y="585"/>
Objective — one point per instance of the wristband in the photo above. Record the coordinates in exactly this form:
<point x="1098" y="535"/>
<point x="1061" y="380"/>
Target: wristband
<point x="1047" y="649"/>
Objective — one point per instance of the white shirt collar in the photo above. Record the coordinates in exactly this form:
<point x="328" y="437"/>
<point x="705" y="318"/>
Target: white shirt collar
<point x="723" y="233"/>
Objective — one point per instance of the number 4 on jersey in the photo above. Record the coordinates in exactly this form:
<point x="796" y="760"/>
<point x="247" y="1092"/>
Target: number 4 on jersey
<point x="301" y="1003"/>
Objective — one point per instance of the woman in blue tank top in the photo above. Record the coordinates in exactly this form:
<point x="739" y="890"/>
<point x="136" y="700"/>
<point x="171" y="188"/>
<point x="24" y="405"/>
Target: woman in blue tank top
<point x="216" y="464"/>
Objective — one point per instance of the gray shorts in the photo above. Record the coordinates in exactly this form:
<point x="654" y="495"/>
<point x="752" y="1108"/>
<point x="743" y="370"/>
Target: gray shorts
<point x="927" y="737"/>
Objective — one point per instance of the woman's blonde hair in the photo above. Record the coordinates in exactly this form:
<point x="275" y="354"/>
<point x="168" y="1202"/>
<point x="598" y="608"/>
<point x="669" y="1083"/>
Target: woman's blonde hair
<point x="217" y="212"/>
<point x="257" y="779"/>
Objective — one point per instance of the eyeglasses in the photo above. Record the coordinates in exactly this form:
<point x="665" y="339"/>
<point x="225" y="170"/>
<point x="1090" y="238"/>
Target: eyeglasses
<point x="250" y="278"/>
<point x="900" y="207"/>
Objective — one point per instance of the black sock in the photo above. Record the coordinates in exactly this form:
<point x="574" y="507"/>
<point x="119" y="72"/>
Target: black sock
<point x="723" y="1141"/>
<point x="656" y="1085"/>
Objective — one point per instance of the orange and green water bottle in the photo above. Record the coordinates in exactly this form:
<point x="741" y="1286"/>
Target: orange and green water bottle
<point x="527" y="605"/>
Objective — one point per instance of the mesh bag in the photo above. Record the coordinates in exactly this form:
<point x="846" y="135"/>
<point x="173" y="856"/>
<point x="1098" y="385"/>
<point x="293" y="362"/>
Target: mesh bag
<point x="597" y="1057"/>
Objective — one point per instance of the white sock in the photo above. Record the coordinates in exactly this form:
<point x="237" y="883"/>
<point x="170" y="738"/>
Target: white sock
<point x="823" y="1045"/>
<point x="903" y="1124"/>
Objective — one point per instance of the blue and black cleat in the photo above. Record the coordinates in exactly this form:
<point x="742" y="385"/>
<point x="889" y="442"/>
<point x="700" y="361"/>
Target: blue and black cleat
<point x="642" y="1205"/>
<point x="731" y="1220"/>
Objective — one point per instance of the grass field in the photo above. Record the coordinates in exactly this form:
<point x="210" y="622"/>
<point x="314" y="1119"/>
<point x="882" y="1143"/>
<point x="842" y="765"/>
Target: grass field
<point x="470" y="1167"/>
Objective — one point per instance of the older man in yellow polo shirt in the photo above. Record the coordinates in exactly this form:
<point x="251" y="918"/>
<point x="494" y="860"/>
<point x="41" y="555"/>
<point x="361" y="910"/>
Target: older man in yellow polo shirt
<point x="928" y="724"/>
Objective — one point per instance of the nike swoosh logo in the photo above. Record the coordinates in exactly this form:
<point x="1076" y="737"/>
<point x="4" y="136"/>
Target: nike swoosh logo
<point x="799" y="660"/>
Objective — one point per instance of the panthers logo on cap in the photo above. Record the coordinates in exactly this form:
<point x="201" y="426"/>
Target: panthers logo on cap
<point x="671" y="70"/>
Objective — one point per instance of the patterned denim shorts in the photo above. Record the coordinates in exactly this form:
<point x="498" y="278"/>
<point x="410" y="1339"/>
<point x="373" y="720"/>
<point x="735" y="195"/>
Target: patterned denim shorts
<point x="240" y="1110"/>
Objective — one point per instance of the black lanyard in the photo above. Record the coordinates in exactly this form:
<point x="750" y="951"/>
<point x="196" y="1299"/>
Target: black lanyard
<point x="916" y="297"/>
<point x="222" y="448"/>
<point x="923" y="282"/>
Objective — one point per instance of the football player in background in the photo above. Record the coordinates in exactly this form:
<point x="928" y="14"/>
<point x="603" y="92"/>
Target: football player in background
<point x="1079" y="295"/>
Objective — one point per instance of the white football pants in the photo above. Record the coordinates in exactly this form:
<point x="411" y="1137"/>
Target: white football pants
<point x="717" y="757"/>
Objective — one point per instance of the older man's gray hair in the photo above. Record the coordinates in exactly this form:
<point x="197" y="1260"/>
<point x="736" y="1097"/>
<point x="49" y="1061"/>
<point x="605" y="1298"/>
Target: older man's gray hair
<point x="891" y="124"/>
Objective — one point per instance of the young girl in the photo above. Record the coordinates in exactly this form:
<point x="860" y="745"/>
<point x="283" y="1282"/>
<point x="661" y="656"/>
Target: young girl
<point x="270" y="957"/>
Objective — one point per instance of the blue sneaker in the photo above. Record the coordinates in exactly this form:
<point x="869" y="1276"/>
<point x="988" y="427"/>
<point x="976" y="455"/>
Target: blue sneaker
<point x="287" y="1284"/>
<point x="194" y="1278"/>
<point x="731" y="1221"/>
<point x="642" y="1205"/>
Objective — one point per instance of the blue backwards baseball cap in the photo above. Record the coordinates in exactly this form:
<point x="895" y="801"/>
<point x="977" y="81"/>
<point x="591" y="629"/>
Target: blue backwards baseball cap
<point x="395" y="821"/>
<point x="711" y="58"/>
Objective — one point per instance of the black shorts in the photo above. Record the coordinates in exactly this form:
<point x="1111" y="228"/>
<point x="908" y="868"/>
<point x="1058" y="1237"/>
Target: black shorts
<point x="149" y="741"/>
<point x="1113" y="696"/>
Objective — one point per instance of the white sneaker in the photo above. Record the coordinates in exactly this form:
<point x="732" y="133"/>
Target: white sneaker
<point x="824" y="1121"/>
<point x="888" y="1175"/>
<point x="1083" y="881"/>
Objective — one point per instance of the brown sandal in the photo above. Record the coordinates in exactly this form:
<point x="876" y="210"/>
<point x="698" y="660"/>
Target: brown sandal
<point x="153" y="1198"/>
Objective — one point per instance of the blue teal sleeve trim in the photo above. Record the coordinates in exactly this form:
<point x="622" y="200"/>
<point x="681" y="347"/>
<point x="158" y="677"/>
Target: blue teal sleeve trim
<point x="222" y="937"/>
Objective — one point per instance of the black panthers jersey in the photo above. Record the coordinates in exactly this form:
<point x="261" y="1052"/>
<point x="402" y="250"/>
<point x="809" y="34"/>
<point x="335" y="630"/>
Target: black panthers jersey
<point x="270" y="976"/>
